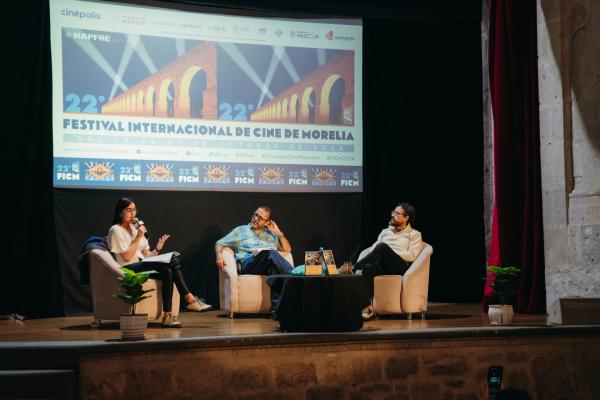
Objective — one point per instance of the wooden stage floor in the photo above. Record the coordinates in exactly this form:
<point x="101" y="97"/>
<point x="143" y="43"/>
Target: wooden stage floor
<point x="450" y="350"/>
<point x="216" y="324"/>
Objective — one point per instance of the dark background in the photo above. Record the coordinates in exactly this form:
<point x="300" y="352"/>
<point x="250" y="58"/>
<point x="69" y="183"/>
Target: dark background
<point x="422" y="96"/>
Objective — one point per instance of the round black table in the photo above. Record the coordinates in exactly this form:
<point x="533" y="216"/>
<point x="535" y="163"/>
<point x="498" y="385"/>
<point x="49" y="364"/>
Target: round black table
<point x="319" y="303"/>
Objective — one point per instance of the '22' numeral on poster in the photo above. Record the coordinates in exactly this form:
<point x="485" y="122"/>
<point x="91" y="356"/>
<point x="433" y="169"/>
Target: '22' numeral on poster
<point x="239" y="108"/>
<point x="89" y="102"/>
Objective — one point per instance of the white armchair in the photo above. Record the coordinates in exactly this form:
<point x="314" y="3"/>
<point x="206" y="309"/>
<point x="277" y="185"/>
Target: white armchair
<point x="104" y="271"/>
<point x="248" y="294"/>
<point x="408" y="293"/>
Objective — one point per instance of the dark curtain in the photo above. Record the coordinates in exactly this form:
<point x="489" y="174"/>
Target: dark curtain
<point x="517" y="234"/>
<point x="31" y="284"/>
<point x="422" y="144"/>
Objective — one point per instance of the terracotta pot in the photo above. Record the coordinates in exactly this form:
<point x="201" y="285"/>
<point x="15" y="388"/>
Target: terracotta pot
<point x="133" y="327"/>
<point x="500" y="314"/>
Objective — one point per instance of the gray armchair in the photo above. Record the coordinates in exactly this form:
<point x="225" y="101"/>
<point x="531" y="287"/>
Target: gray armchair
<point x="104" y="272"/>
<point x="408" y="293"/>
<point x="248" y="294"/>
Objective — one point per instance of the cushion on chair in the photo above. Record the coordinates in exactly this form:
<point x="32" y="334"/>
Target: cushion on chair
<point x="388" y="289"/>
<point x="254" y="295"/>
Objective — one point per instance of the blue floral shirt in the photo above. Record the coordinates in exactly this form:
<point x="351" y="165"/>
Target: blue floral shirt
<point x="243" y="240"/>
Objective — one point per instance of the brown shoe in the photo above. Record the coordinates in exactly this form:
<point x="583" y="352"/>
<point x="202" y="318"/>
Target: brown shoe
<point x="346" y="268"/>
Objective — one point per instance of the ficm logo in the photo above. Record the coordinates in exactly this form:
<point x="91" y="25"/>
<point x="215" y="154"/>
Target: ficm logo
<point x="329" y="35"/>
<point x="80" y="14"/>
<point x="159" y="172"/>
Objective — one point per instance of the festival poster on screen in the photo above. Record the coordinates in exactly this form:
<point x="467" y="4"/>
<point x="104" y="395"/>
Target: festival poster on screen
<point x="149" y="99"/>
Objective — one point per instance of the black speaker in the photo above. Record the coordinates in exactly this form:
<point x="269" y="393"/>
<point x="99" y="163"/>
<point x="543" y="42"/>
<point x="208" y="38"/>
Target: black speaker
<point x="575" y="311"/>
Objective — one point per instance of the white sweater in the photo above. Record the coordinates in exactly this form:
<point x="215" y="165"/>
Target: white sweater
<point x="406" y="243"/>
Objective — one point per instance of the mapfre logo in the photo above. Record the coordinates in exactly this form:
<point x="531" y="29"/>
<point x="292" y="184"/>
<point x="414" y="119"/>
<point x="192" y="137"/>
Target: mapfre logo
<point x="65" y="12"/>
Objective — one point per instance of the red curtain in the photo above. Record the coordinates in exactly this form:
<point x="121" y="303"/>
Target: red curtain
<point x="517" y="229"/>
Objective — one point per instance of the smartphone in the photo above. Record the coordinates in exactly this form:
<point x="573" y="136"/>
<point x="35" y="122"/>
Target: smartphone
<point x="494" y="379"/>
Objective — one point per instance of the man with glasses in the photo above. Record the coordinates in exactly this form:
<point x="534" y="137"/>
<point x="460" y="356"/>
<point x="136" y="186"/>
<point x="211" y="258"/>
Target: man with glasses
<point x="397" y="246"/>
<point x="256" y="246"/>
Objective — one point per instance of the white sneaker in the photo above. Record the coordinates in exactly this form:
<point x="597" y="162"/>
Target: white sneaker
<point x="367" y="313"/>
<point x="198" y="305"/>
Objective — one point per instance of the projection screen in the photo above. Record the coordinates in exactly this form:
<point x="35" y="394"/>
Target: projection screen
<point x="155" y="98"/>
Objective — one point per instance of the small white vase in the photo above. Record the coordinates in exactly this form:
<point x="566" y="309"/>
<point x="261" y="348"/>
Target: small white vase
<point x="500" y="314"/>
<point x="133" y="327"/>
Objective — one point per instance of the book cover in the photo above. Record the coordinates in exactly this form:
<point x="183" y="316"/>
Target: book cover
<point x="330" y="262"/>
<point x="313" y="262"/>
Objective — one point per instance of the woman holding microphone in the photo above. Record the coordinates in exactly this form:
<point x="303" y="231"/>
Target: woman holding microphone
<point x="129" y="245"/>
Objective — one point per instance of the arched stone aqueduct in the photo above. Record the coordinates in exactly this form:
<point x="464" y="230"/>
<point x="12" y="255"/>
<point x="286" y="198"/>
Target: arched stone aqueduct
<point x="187" y="88"/>
<point x="309" y="100"/>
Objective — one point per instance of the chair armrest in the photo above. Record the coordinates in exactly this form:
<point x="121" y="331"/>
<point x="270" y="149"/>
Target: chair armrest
<point x="421" y="261"/>
<point x="106" y="259"/>
<point x="415" y="282"/>
<point x="228" y="282"/>
<point x="231" y="269"/>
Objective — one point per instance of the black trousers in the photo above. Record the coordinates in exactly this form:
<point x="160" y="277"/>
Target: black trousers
<point x="382" y="260"/>
<point x="168" y="274"/>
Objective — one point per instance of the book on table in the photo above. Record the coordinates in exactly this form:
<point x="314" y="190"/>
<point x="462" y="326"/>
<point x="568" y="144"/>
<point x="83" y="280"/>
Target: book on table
<point x="319" y="262"/>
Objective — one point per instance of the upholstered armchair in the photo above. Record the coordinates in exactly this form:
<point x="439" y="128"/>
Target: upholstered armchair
<point x="248" y="294"/>
<point x="408" y="293"/>
<point x="104" y="272"/>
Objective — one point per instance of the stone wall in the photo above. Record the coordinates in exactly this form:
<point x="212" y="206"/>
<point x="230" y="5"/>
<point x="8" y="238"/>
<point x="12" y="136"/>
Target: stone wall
<point x="564" y="367"/>
<point x="569" y="84"/>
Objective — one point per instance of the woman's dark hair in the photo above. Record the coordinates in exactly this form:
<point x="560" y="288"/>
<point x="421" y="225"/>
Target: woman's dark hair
<point x="409" y="211"/>
<point x="122" y="204"/>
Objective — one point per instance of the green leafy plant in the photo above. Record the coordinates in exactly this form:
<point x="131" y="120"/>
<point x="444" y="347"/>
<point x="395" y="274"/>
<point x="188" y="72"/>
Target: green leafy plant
<point x="131" y="287"/>
<point x="504" y="281"/>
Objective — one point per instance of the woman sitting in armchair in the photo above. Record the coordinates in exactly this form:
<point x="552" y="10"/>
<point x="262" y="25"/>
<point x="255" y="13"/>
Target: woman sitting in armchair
<point x="127" y="241"/>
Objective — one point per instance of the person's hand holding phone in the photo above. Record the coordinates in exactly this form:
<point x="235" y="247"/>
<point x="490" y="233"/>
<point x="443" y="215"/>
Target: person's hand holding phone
<point x="494" y="381"/>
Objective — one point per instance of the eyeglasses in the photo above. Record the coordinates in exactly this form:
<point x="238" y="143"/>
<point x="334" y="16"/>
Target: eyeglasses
<point x="259" y="217"/>
<point x="398" y="213"/>
<point x="130" y="209"/>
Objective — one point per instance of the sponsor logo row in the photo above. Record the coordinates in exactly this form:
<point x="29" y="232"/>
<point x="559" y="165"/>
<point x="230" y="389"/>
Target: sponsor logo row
<point x="213" y="28"/>
<point x="217" y="174"/>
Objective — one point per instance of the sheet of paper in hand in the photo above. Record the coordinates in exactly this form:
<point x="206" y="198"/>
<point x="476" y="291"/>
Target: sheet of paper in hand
<point x="256" y="251"/>
<point x="163" y="258"/>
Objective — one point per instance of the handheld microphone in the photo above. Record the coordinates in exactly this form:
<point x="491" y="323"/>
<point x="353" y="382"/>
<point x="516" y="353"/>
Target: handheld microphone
<point x="137" y="223"/>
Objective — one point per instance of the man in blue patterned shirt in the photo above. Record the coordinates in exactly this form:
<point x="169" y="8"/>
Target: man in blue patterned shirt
<point x="257" y="245"/>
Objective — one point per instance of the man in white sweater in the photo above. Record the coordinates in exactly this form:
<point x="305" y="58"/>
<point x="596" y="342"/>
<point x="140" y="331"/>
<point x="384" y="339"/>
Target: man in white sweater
<point x="397" y="246"/>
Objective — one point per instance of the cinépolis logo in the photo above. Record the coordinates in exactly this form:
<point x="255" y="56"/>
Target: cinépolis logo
<point x="66" y="12"/>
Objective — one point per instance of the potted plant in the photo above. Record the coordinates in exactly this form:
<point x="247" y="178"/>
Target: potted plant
<point x="503" y="284"/>
<point x="133" y="325"/>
